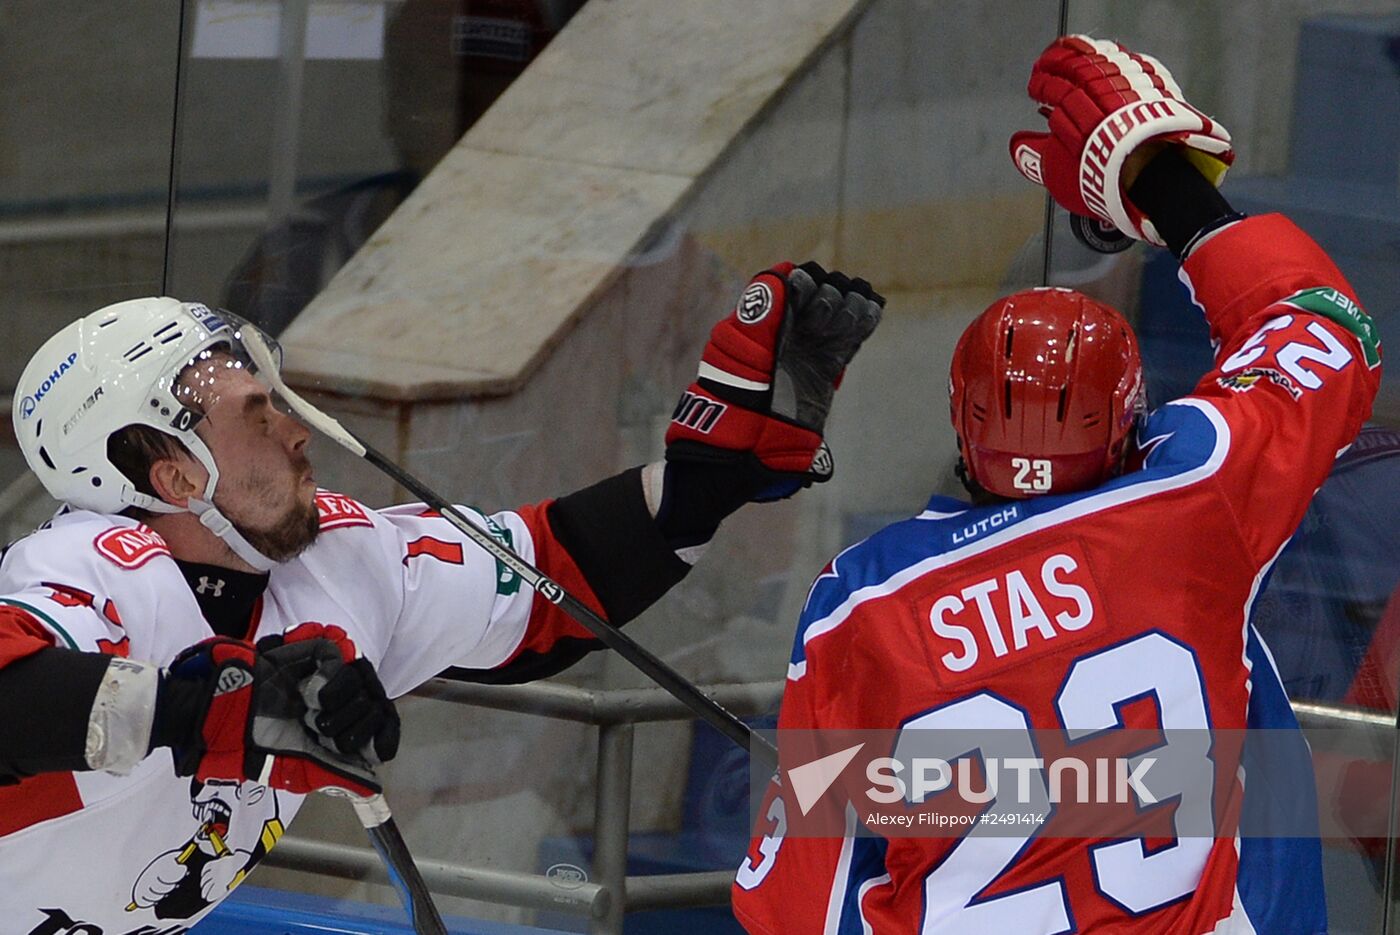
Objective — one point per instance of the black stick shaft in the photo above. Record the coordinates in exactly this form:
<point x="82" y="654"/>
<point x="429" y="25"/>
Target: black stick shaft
<point x="610" y="636"/>
<point x="378" y="822"/>
<point x="404" y="875"/>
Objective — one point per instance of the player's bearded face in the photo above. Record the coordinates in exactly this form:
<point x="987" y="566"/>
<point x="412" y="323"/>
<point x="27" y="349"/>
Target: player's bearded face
<point x="266" y="487"/>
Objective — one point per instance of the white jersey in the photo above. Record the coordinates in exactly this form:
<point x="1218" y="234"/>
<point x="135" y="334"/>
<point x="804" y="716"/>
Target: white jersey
<point x="150" y="852"/>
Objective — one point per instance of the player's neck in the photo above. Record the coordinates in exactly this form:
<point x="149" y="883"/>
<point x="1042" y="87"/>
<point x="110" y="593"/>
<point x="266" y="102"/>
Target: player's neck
<point x="190" y="541"/>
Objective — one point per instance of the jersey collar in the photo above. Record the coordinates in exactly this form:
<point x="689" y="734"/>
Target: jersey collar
<point x="226" y="597"/>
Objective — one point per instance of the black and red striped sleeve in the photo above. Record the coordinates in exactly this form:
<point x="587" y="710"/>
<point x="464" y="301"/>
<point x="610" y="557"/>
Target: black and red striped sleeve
<point x="602" y="545"/>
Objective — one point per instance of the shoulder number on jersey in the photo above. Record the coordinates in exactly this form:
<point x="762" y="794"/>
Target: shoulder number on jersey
<point x="507" y="581"/>
<point x="1297" y="361"/>
<point x="440" y="549"/>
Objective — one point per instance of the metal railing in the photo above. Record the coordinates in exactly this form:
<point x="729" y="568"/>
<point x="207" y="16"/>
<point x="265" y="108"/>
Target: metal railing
<point x="611" y="894"/>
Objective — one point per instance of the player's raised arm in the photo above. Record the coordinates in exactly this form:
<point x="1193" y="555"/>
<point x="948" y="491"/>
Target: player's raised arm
<point x="748" y="429"/>
<point x="1297" y="358"/>
<point x="1296" y="371"/>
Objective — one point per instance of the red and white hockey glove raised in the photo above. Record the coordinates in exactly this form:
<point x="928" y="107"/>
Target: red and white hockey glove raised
<point x="768" y="374"/>
<point x="299" y="712"/>
<point x="1103" y="102"/>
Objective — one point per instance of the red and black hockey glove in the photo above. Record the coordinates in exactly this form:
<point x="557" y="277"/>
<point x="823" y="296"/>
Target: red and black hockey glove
<point x="297" y="712"/>
<point x="767" y="377"/>
<point x="1103" y="102"/>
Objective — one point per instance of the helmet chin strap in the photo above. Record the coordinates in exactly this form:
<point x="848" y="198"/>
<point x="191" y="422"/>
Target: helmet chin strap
<point x="210" y="518"/>
<point x="220" y="525"/>
<point x="215" y="521"/>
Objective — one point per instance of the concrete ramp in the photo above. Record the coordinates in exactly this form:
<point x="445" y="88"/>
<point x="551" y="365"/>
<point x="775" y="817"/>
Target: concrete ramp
<point x="531" y="220"/>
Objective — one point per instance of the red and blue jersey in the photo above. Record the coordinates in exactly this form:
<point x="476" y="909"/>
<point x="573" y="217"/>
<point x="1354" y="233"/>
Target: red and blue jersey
<point x="1078" y="613"/>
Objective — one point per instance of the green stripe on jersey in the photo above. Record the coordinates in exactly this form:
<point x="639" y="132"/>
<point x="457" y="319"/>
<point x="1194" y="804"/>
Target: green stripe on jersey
<point x="1331" y="304"/>
<point x="507" y="581"/>
<point x="11" y="602"/>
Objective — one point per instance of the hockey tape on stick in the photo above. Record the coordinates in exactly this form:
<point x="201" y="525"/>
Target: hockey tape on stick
<point x="378" y="822"/>
<point x="706" y="708"/>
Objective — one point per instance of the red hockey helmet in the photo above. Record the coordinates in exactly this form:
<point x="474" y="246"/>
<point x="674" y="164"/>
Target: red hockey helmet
<point x="1045" y="385"/>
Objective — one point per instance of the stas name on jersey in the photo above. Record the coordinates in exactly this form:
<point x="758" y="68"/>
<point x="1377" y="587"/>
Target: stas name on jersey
<point x="989" y="619"/>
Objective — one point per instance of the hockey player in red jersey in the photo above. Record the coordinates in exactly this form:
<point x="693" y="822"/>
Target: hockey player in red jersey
<point x="1107" y="563"/>
<point x="201" y="636"/>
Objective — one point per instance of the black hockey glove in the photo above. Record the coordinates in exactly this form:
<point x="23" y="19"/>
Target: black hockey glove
<point x="297" y="711"/>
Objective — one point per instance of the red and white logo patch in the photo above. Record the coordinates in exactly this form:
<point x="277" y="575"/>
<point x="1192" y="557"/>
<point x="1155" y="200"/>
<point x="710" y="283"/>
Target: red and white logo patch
<point x="130" y="547"/>
<point x="1028" y="161"/>
<point x="337" y="511"/>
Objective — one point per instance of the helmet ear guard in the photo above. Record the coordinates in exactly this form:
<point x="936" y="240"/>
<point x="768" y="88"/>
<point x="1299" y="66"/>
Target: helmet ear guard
<point x="1044" y="388"/>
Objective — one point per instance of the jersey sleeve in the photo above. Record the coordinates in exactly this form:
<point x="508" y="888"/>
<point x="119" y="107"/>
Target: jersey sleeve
<point x="460" y="607"/>
<point x="85" y="582"/>
<point x="36" y="613"/>
<point x="1296" y="371"/>
<point x="53" y="635"/>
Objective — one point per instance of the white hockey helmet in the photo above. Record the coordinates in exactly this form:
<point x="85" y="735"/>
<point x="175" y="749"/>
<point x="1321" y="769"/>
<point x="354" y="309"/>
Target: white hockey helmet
<point x="116" y="367"/>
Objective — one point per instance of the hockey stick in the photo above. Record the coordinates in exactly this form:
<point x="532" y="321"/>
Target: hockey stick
<point x="378" y="822"/>
<point x="383" y="832"/>
<point x="663" y="675"/>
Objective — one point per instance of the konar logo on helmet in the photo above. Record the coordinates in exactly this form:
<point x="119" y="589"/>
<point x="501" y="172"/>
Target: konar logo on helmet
<point x="26" y="405"/>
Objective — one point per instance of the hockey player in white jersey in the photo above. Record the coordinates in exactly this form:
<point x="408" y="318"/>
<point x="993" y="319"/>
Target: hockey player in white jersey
<point x="201" y="636"/>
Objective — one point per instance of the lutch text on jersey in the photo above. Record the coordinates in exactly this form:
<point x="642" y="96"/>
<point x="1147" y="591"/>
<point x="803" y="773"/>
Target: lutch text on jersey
<point x="987" y="523"/>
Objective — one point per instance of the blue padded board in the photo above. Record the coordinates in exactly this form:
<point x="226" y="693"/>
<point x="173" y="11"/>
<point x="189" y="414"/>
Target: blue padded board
<point x="252" y="910"/>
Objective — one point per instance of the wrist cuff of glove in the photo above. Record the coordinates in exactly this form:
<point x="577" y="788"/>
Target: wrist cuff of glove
<point x="702" y="486"/>
<point x="1179" y="200"/>
<point x="123" y="711"/>
<point x="180" y="708"/>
